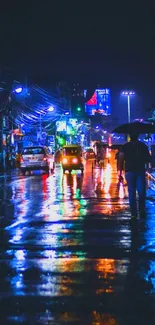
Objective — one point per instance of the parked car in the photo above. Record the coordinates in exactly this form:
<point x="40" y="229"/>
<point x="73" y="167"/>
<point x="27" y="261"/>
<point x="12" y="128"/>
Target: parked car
<point x="35" y="158"/>
<point x="72" y="158"/>
<point x="89" y="154"/>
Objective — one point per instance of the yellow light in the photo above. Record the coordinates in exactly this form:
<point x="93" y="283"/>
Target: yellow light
<point x="64" y="160"/>
<point x="107" y="178"/>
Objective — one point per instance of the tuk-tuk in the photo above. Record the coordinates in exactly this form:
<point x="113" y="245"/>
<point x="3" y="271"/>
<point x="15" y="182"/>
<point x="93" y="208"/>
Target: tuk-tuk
<point x="72" y="158"/>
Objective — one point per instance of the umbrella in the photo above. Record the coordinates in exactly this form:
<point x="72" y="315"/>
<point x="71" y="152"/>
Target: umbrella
<point x="135" y="127"/>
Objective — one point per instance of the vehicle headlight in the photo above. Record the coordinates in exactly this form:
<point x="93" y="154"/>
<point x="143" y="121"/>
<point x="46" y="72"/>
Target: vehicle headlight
<point x="64" y="160"/>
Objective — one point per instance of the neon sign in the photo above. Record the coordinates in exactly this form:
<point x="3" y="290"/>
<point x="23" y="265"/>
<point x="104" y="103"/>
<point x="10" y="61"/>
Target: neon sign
<point x="100" y="102"/>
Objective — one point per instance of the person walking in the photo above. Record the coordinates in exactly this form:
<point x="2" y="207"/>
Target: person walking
<point x="133" y="157"/>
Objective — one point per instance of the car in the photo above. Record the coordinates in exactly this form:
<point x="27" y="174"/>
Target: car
<point x="89" y="154"/>
<point x="72" y="158"/>
<point x="35" y="158"/>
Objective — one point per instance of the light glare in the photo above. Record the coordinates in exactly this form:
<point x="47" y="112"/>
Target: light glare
<point x="128" y="93"/>
<point x="18" y="90"/>
<point x="51" y="109"/>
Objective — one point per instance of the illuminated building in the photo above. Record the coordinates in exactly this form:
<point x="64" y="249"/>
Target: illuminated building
<point x="78" y="91"/>
<point x="78" y="95"/>
<point x="99" y="103"/>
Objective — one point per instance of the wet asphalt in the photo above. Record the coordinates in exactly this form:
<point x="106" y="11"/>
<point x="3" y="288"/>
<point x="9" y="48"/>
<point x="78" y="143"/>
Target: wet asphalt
<point x="69" y="253"/>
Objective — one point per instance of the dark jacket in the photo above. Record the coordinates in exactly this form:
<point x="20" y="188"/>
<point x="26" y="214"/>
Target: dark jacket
<point x="136" y="156"/>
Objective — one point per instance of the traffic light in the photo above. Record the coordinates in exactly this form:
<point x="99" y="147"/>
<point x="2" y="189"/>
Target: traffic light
<point x="78" y="109"/>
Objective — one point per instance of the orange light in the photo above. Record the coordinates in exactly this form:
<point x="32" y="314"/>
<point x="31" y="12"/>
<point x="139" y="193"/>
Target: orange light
<point x="21" y="159"/>
<point x="64" y="160"/>
<point x="74" y="160"/>
<point x="108" y="155"/>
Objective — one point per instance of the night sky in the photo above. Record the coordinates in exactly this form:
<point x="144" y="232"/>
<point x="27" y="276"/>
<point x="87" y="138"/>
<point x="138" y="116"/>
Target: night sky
<point x="98" y="44"/>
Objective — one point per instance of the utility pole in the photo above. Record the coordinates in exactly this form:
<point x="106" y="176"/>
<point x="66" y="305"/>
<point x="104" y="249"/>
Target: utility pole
<point x="129" y="113"/>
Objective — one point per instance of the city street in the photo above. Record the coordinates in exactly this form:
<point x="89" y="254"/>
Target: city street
<point x="69" y="253"/>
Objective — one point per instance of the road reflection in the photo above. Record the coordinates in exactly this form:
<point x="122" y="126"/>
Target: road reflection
<point x="62" y="195"/>
<point x="69" y="247"/>
<point x="54" y="275"/>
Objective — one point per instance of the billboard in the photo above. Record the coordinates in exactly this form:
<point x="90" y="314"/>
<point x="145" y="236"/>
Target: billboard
<point x="99" y="103"/>
<point x="61" y="126"/>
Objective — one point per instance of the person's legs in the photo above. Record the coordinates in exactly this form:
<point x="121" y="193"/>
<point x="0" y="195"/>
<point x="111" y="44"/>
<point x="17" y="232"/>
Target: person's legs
<point x="141" y="188"/>
<point x="131" y="183"/>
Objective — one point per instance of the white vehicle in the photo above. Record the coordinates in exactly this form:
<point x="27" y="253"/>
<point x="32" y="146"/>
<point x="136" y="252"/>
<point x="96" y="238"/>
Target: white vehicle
<point x="35" y="158"/>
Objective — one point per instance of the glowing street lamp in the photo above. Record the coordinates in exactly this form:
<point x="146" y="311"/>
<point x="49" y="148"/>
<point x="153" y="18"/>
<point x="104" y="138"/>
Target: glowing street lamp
<point x="67" y="113"/>
<point x="18" y="90"/>
<point x="128" y="94"/>
<point x="51" y="109"/>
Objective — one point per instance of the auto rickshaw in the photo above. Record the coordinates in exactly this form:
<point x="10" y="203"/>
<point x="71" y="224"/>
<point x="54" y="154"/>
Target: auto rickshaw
<point x="72" y="158"/>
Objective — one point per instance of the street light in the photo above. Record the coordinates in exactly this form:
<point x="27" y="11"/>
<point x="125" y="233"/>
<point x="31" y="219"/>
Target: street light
<point x="67" y="113"/>
<point x="128" y="94"/>
<point x="18" y="90"/>
<point x="51" y="109"/>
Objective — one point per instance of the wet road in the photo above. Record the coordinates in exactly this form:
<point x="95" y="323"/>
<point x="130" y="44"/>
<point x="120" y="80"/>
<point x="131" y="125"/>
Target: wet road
<point x="69" y="254"/>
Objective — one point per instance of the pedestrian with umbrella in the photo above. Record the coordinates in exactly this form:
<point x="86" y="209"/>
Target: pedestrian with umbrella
<point x="133" y="158"/>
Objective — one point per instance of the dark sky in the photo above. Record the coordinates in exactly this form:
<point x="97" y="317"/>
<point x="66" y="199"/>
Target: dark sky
<point x="105" y="44"/>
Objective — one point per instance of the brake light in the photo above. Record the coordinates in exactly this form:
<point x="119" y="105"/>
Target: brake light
<point x="75" y="160"/>
<point x="21" y="159"/>
<point x="45" y="158"/>
<point x="64" y="160"/>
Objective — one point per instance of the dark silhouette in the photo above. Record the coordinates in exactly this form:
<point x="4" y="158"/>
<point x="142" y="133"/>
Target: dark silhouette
<point x="135" y="155"/>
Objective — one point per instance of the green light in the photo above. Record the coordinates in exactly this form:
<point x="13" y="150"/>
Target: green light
<point x="61" y="141"/>
<point x="79" y="109"/>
